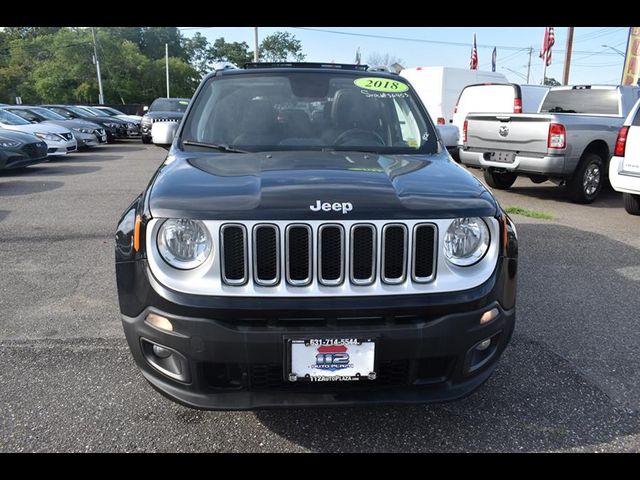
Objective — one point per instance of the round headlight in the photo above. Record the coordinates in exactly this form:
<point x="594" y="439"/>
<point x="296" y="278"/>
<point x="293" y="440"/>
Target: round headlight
<point x="466" y="241"/>
<point x="184" y="243"/>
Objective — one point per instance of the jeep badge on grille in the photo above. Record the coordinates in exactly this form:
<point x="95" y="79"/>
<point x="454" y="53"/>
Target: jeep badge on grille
<point x="346" y="207"/>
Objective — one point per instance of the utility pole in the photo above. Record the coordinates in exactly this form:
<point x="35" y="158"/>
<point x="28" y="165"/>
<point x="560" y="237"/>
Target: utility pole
<point x="166" y="60"/>
<point x="95" y="57"/>
<point x="567" y="57"/>
<point x="529" y="64"/>
<point x="255" y="42"/>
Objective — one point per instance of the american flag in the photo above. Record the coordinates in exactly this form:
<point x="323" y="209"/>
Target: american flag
<point x="547" y="43"/>
<point x="473" y="64"/>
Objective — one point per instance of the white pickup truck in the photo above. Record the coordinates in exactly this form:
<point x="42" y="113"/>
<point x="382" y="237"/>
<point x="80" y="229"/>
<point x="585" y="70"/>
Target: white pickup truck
<point x="569" y="142"/>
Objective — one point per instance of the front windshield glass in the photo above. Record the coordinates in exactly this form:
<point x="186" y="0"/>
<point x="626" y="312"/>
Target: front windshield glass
<point x="169" y="105"/>
<point x="9" y="118"/>
<point x="111" y="111"/>
<point x="48" y="114"/>
<point x="310" y="111"/>
<point x="87" y="110"/>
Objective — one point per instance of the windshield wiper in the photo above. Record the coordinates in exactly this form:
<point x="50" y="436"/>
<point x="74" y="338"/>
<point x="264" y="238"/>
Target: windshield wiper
<point x="560" y="110"/>
<point x="216" y="146"/>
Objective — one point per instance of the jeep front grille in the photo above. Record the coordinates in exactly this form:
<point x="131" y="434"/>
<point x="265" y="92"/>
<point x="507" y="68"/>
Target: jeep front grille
<point x="326" y="253"/>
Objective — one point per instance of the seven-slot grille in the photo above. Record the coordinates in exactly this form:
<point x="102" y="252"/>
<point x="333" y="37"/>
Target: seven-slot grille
<point x="330" y="253"/>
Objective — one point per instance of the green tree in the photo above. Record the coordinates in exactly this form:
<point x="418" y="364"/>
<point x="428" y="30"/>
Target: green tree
<point x="281" y="47"/>
<point x="552" y="82"/>
<point x="183" y="79"/>
<point x="154" y="39"/>
<point x="198" y="51"/>
<point x="235" y="52"/>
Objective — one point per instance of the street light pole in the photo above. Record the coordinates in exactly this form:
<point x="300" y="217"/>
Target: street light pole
<point x="619" y="52"/>
<point x="95" y="56"/>
<point x="255" y="42"/>
<point x="567" y="57"/>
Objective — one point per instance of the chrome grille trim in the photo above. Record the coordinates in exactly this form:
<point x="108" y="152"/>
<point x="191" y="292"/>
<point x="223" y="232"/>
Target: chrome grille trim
<point x="231" y="281"/>
<point x="207" y="279"/>
<point x="340" y="279"/>
<point x="402" y="278"/>
<point x="261" y="281"/>
<point x="374" y="256"/>
<point x="414" y="257"/>
<point x="307" y="280"/>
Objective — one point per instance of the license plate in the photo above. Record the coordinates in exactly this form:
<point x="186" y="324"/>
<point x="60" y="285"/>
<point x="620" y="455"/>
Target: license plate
<point x="502" y="157"/>
<point x="332" y="359"/>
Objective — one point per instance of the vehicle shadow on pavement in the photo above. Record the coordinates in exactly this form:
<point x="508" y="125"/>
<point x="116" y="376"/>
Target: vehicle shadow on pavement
<point x="13" y="188"/>
<point x="570" y="379"/>
<point x="56" y="169"/>
<point x="608" y="198"/>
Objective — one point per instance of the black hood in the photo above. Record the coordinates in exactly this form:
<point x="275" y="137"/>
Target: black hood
<point x="284" y="185"/>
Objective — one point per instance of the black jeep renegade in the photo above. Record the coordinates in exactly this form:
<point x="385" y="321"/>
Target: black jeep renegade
<point x="309" y="241"/>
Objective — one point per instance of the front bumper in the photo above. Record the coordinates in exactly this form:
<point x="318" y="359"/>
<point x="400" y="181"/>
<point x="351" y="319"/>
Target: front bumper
<point x="234" y="349"/>
<point x="555" y="165"/>
<point x="56" y="149"/>
<point x="623" y="181"/>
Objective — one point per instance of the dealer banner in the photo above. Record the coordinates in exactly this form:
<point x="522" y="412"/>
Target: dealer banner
<point x="631" y="71"/>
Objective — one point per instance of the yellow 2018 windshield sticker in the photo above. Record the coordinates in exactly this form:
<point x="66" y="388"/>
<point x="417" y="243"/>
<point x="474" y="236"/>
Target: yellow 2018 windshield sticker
<point x="381" y="84"/>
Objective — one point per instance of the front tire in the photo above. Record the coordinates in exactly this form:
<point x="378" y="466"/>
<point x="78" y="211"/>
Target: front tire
<point x="501" y="181"/>
<point x="631" y="203"/>
<point x="587" y="180"/>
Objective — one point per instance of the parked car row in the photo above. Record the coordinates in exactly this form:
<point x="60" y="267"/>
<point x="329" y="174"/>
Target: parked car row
<point x="32" y="134"/>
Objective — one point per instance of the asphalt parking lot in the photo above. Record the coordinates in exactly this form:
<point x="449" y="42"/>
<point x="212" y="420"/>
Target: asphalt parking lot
<point x="569" y="381"/>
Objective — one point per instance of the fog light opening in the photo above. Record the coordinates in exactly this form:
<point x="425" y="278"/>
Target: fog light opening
<point x="161" y="352"/>
<point x="159" y="322"/>
<point x="483" y="345"/>
<point x="489" y="315"/>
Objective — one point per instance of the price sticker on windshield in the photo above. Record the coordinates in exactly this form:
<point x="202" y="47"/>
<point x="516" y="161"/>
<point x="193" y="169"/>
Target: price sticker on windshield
<point x="381" y="84"/>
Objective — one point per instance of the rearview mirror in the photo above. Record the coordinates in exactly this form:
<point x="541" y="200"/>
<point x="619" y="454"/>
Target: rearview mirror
<point x="162" y="133"/>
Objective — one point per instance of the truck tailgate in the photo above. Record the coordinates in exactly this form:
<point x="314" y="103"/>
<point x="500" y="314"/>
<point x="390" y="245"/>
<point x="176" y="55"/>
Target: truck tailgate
<point x="523" y="133"/>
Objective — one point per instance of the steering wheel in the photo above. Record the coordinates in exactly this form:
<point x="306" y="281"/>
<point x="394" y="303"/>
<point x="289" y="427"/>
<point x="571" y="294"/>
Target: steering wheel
<point x="358" y="131"/>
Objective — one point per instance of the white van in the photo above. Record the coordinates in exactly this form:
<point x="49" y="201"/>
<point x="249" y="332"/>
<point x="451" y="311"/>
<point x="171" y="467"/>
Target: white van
<point x="624" y="167"/>
<point x="440" y="87"/>
<point x="497" y="98"/>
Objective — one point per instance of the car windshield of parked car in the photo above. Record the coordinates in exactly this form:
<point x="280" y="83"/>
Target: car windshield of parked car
<point x="310" y="111"/>
<point x="87" y="112"/>
<point x="48" y="114"/>
<point x="9" y="118"/>
<point x="95" y="111"/>
<point x="110" y="111"/>
<point x="169" y="105"/>
<point x="78" y="111"/>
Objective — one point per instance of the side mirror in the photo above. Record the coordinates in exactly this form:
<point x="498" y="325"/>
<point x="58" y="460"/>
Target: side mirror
<point x="145" y="108"/>
<point x="162" y="133"/>
<point x="449" y="134"/>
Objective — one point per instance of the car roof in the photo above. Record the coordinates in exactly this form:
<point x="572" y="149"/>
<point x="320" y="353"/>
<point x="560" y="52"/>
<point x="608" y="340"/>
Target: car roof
<point x="303" y="68"/>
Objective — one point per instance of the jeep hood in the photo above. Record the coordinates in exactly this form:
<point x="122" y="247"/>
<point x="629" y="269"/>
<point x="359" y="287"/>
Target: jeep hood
<point x="283" y="185"/>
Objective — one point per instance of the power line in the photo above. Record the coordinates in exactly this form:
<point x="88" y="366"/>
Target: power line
<point x="438" y="42"/>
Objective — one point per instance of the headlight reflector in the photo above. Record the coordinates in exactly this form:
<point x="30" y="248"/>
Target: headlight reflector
<point x="9" y="144"/>
<point x="466" y="241"/>
<point x="183" y="243"/>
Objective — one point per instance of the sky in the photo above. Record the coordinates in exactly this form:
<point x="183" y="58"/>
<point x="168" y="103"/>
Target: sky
<point x="591" y="62"/>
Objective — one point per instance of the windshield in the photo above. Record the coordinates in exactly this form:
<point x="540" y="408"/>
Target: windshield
<point x="86" y="111"/>
<point x="310" y="111"/>
<point x="95" y="111"/>
<point x="594" y="101"/>
<point x="48" y="114"/>
<point x="169" y="105"/>
<point x="110" y="111"/>
<point x="9" y="118"/>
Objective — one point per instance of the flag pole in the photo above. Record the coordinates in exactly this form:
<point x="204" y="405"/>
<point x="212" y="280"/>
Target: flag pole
<point x="544" y="70"/>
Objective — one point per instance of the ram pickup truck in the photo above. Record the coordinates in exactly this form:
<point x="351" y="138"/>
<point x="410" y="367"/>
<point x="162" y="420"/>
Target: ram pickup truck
<point x="569" y="141"/>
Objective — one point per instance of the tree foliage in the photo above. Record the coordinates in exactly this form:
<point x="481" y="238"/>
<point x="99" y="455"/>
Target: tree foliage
<point x="375" y="59"/>
<point x="552" y="82"/>
<point x="281" y="47"/>
<point x="56" y="64"/>
<point x="52" y="64"/>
